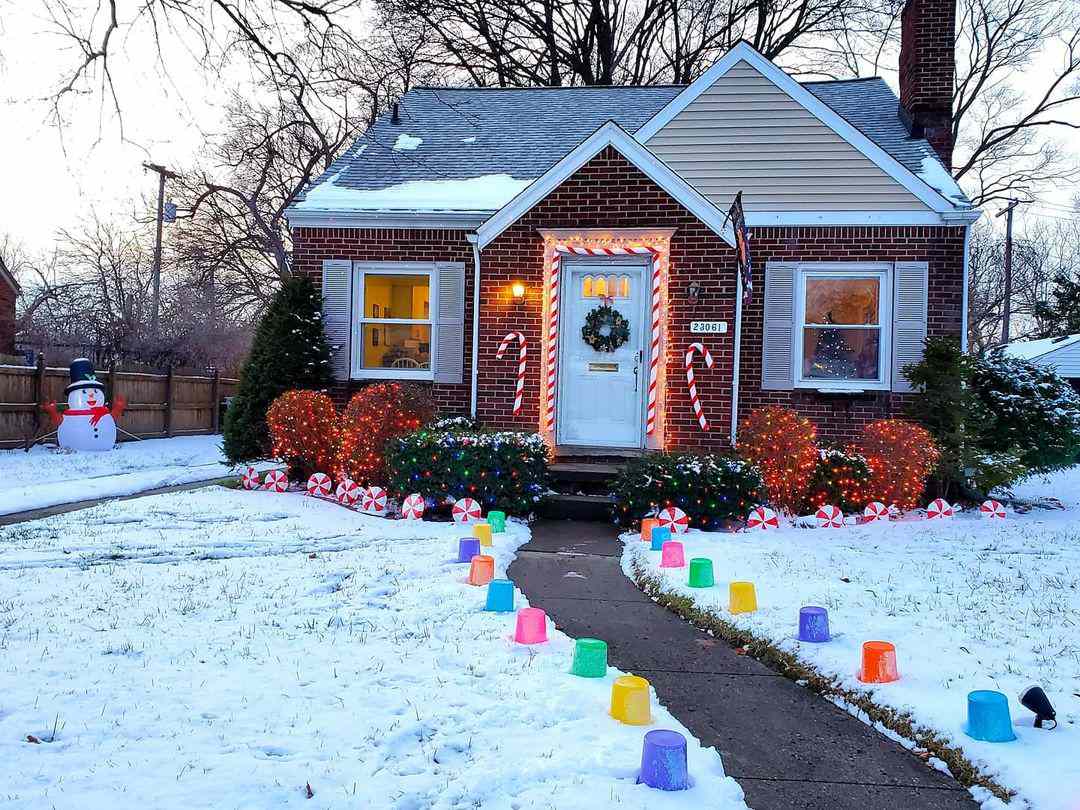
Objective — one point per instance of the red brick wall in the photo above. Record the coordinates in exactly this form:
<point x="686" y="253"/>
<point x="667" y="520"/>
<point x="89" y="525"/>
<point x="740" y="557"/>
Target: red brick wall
<point x="609" y="192"/>
<point x="312" y="245"/>
<point x="927" y="67"/>
<point x="7" y="318"/>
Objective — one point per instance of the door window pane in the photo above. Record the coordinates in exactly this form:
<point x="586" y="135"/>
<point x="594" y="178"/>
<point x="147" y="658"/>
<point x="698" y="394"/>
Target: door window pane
<point x="397" y="296"/>
<point x="841" y="354"/>
<point x="842" y="300"/>
<point x="400" y="346"/>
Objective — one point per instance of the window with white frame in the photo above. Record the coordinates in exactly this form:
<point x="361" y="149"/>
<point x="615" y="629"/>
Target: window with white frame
<point x="394" y="328"/>
<point x="843" y="320"/>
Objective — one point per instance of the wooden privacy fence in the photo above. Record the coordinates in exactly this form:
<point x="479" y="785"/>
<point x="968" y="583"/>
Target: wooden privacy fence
<point x="158" y="405"/>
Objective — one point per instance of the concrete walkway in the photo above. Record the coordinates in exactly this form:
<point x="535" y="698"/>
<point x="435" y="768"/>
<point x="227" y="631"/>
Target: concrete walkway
<point x="786" y="746"/>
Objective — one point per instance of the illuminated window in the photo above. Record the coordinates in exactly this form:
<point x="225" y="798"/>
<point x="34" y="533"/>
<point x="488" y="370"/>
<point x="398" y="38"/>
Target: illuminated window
<point x="586" y="287"/>
<point x="395" y="323"/>
<point x="611" y="286"/>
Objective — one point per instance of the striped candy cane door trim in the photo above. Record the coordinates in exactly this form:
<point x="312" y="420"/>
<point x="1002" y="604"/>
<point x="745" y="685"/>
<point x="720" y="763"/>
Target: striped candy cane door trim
<point x="553" y="321"/>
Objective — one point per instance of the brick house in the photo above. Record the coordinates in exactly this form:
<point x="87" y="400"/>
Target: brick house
<point x="468" y="214"/>
<point x="9" y="292"/>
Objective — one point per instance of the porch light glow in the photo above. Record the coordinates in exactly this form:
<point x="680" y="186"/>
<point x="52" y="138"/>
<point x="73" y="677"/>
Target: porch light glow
<point x="517" y="290"/>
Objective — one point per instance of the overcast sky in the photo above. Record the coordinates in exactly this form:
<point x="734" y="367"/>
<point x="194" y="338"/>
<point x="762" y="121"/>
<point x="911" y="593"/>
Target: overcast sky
<point x="53" y="177"/>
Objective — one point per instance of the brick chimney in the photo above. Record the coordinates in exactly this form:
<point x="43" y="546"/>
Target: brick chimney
<point x="927" y="67"/>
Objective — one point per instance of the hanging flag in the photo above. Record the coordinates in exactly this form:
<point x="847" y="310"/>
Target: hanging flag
<point x="742" y="246"/>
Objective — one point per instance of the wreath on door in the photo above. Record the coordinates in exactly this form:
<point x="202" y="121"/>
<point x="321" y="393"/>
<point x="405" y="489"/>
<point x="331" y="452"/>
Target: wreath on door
<point x="605" y="329"/>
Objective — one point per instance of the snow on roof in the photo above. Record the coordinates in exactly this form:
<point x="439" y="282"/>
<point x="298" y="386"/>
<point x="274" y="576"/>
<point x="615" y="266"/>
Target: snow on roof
<point x="1032" y="349"/>
<point x="406" y="142"/>
<point x="488" y="192"/>
<point x="938" y="178"/>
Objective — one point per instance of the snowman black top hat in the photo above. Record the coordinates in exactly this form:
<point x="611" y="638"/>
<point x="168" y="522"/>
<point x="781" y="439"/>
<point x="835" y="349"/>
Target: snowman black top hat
<point x="82" y="376"/>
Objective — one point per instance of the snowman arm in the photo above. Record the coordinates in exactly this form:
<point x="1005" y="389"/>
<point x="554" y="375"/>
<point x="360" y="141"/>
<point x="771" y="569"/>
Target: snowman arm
<point x="118" y="405"/>
<point x="50" y="408"/>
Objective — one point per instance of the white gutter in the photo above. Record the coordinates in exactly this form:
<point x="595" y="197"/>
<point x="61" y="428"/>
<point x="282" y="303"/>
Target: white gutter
<point x="735" y="355"/>
<point x="967" y="270"/>
<point x="472" y="239"/>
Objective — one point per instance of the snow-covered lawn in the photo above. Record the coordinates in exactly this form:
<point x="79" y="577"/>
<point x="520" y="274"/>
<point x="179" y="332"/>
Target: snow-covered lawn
<point x="223" y="648"/>
<point x="969" y="603"/>
<point x="48" y="477"/>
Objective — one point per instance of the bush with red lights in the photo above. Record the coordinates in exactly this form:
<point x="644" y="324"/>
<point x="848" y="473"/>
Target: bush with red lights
<point x="901" y="456"/>
<point x="375" y="415"/>
<point x="783" y="447"/>
<point x="841" y="477"/>
<point x="303" y="431"/>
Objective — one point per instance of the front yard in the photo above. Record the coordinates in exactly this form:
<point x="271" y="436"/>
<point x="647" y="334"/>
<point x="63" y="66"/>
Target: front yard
<point x="227" y="649"/>
<point x="969" y="603"/>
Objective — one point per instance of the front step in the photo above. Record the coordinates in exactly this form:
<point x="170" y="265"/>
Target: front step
<point x="560" y="506"/>
<point x="583" y="471"/>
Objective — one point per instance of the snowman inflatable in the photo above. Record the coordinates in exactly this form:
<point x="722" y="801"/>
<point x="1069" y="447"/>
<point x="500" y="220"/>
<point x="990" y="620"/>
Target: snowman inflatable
<point x="87" y="423"/>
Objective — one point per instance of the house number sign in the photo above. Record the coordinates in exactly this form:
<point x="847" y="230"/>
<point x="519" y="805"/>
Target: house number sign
<point x="708" y="327"/>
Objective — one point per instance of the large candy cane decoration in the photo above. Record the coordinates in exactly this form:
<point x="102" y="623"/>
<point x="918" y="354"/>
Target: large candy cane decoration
<point x="656" y="258"/>
<point x="522" y="351"/>
<point x="695" y="403"/>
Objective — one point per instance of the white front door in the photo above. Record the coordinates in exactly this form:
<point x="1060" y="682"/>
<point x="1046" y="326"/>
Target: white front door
<point x="601" y="393"/>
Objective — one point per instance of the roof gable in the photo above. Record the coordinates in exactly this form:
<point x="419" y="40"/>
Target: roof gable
<point x="929" y="185"/>
<point x="610" y="134"/>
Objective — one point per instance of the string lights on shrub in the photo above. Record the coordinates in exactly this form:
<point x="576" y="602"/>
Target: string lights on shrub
<point x="901" y="455"/>
<point x="375" y="415"/>
<point x="303" y="431"/>
<point x="841" y="478"/>
<point x="782" y="445"/>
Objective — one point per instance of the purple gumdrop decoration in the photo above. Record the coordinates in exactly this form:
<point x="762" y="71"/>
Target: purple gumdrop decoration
<point x="663" y="761"/>
<point x="813" y="624"/>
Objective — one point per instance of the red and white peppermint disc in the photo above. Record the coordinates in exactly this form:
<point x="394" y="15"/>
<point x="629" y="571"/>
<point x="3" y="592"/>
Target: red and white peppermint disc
<point x="319" y="485"/>
<point x="374" y="500"/>
<point x="674" y="518"/>
<point x="763" y="518"/>
<point x="250" y="479"/>
<point x="276" y="481"/>
<point x="348" y="492"/>
<point x="875" y="510"/>
<point x="829" y="517"/>
<point x="939" y="508"/>
<point x="466" y="510"/>
<point x="894" y="512"/>
<point x="412" y="508"/>
<point x="992" y="509"/>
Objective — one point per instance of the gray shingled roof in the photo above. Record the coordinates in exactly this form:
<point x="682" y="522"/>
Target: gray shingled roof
<point x="471" y="132"/>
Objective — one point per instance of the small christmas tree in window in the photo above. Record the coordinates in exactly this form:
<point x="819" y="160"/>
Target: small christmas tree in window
<point x="833" y="358"/>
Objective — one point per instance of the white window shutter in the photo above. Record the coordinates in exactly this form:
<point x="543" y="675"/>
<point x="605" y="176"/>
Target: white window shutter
<point x="778" y="334"/>
<point x="911" y="284"/>
<point x="449" y="365"/>
<point x="337" y="314"/>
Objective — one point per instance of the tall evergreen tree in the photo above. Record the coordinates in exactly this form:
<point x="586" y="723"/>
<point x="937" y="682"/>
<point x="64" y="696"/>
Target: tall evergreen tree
<point x="289" y="351"/>
<point x="1061" y="315"/>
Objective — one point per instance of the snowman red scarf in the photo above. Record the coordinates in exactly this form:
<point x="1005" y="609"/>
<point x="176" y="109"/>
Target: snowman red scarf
<point x="95" y="414"/>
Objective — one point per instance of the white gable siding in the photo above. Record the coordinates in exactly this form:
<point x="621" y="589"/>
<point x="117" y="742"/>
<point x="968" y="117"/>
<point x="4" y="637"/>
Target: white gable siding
<point x="1065" y="361"/>
<point x="744" y="133"/>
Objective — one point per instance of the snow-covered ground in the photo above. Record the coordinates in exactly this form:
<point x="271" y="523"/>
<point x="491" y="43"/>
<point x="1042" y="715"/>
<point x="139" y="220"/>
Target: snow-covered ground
<point x="48" y="477"/>
<point x="969" y="603"/>
<point x="223" y="648"/>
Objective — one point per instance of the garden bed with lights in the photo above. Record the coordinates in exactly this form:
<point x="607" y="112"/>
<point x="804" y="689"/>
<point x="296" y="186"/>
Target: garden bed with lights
<point x="969" y="603"/>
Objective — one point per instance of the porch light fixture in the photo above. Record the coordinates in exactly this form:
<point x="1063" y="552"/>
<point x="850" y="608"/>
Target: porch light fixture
<point x="517" y="290"/>
<point x="693" y="293"/>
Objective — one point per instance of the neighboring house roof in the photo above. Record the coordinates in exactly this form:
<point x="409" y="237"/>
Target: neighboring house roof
<point x="1036" y="349"/>
<point x="493" y="137"/>
<point x="5" y="275"/>
<point x="610" y="134"/>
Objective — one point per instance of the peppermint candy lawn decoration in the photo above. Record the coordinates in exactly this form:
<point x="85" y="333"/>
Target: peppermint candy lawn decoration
<point x="695" y="403"/>
<point x="657" y="258"/>
<point x="412" y="508"/>
<point x="894" y="512"/>
<point x="763" y="518"/>
<point x="605" y="329"/>
<point x="466" y="510"/>
<point x="348" y="492"/>
<point x="374" y="500"/>
<point x="250" y="479"/>
<point x="319" y="485"/>
<point x="276" y="481"/>
<point x="992" y="509"/>
<point x="829" y="517"/>
<point x="876" y="510"/>
<point x="519" y="389"/>
<point x="674" y="518"/>
<point x="939" y="508"/>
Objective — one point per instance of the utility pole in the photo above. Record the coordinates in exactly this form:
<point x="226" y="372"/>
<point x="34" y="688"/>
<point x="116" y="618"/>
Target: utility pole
<point x="163" y="174"/>
<point x="1007" y="305"/>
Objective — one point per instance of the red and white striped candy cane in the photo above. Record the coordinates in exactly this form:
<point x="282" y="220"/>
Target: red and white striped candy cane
<point x="553" y="320"/>
<point x="522" y="352"/>
<point x="695" y="403"/>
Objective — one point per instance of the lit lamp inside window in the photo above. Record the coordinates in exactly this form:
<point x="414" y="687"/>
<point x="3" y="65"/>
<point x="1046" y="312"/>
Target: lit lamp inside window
<point x="517" y="290"/>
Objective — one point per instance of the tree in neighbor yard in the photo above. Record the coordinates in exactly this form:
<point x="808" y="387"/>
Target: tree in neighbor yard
<point x="289" y="351"/>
